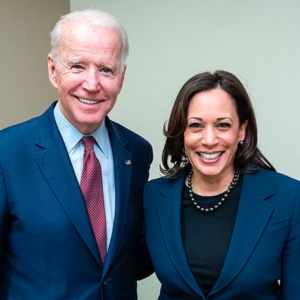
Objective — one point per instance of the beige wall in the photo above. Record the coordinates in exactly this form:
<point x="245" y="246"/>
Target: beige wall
<point x="24" y="44"/>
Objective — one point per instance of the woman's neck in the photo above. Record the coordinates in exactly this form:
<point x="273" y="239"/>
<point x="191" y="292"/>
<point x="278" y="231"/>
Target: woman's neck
<point x="211" y="185"/>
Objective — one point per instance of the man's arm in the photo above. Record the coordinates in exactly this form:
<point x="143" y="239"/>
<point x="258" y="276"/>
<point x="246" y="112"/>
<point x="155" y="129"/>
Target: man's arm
<point x="144" y="266"/>
<point x="4" y="221"/>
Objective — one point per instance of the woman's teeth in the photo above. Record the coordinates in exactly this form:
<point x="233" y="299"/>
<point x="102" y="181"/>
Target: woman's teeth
<point x="210" y="156"/>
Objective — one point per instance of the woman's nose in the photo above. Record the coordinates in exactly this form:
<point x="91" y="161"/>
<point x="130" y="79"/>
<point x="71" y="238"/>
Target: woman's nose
<point x="209" y="137"/>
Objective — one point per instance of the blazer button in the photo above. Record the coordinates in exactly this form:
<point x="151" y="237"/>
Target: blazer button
<point x="104" y="283"/>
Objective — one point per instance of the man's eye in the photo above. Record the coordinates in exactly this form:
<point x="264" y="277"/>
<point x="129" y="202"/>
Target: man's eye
<point x="77" y="67"/>
<point x="106" y="70"/>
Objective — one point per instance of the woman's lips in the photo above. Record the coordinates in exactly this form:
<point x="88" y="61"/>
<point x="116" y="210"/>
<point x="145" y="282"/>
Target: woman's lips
<point x="210" y="157"/>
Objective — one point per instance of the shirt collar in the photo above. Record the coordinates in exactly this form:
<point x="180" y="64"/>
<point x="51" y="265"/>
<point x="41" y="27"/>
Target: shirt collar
<point x="72" y="136"/>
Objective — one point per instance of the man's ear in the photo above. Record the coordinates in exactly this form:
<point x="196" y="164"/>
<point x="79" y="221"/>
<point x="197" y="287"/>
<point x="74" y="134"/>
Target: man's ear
<point x="123" y="76"/>
<point x="52" y="71"/>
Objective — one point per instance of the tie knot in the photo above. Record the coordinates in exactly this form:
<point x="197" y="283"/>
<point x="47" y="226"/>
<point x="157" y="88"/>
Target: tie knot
<point x="88" y="142"/>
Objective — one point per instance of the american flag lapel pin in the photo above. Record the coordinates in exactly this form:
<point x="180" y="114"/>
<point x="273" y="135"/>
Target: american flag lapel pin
<point x="127" y="162"/>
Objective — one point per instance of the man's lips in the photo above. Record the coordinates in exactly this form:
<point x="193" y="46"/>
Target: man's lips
<point x="86" y="101"/>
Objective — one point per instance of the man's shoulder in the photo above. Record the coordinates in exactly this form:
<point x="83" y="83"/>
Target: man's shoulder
<point x="129" y="135"/>
<point x="22" y="131"/>
<point x="18" y="130"/>
<point x="18" y="140"/>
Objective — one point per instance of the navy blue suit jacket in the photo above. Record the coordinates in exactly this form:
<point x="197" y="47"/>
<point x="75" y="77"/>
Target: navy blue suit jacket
<point x="265" y="244"/>
<point x="48" y="249"/>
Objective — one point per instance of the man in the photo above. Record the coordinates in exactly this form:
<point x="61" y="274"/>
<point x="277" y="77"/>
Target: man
<point x="71" y="180"/>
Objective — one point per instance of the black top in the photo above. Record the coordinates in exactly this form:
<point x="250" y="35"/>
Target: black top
<point x="206" y="236"/>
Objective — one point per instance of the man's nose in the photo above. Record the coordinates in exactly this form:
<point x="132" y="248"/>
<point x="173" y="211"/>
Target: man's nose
<point x="92" y="81"/>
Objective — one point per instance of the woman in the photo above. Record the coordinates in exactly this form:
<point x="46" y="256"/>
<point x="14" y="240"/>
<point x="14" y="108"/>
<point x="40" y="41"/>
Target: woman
<point x="222" y="224"/>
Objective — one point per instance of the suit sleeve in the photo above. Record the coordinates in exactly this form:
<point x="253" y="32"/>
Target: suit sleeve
<point x="144" y="266"/>
<point x="291" y="257"/>
<point x="4" y="220"/>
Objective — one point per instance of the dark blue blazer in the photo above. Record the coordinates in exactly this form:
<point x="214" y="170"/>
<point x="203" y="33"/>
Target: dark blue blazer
<point x="48" y="249"/>
<point x="265" y="244"/>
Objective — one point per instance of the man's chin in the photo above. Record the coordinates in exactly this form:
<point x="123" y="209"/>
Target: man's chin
<point x="89" y="126"/>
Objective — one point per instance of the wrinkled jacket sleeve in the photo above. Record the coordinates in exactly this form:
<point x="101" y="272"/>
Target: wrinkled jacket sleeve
<point x="4" y="220"/>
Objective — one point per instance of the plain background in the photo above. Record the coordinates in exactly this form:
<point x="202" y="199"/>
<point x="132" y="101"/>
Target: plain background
<point x="170" y="41"/>
<point x="25" y="90"/>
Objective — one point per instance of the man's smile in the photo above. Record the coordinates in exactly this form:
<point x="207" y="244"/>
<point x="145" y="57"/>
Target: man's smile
<point x="86" y="101"/>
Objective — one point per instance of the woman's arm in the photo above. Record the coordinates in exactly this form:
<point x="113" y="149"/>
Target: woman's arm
<point x="290" y="279"/>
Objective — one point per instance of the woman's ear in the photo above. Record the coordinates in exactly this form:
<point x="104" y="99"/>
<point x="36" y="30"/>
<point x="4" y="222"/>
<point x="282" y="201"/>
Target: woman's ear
<point x="242" y="133"/>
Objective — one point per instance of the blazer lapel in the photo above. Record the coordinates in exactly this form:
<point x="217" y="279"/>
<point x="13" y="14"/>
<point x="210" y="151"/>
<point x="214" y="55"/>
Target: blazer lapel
<point x="169" y="212"/>
<point x="252" y="217"/>
<point x="57" y="169"/>
<point x="122" y="186"/>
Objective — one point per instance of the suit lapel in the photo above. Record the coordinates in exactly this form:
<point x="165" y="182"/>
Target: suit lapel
<point x="122" y="186"/>
<point x="169" y="212"/>
<point x="252" y="217"/>
<point x="57" y="169"/>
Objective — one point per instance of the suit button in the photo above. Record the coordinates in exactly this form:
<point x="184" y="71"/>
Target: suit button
<point x="104" y="283"/>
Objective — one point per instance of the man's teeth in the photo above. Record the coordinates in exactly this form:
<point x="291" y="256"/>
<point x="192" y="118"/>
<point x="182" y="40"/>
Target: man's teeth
<point x="210" y="156"/>
<point x="87" y="101"/>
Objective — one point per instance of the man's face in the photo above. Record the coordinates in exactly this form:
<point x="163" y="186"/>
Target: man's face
<point x="88" y="73"/>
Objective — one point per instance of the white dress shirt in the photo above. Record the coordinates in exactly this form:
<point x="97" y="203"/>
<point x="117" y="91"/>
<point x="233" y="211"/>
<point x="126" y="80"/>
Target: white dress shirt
<point x="102" y="147"/>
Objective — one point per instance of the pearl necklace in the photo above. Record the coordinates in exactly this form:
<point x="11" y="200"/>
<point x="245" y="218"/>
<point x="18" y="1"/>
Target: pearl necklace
<point x="223" y="199"/>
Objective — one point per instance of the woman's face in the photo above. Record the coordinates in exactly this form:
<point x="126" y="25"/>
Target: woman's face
<point x="212" y="134"/>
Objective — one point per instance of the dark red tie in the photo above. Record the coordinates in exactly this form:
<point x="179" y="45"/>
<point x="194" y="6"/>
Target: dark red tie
<point x="92" y="190"/>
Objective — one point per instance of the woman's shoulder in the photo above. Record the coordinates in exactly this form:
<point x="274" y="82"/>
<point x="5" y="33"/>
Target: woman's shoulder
<point x="279" y="182"/>
<point x="157" y="183"/>
<point x="162" y="186"/>
<point x="280" y="178"/>
<point x="165" y="181"/>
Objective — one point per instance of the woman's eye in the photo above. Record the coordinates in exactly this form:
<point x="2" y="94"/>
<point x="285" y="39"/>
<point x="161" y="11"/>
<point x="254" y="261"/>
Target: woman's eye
<point x="224" y="125"/>
<point x="195" y="125"/>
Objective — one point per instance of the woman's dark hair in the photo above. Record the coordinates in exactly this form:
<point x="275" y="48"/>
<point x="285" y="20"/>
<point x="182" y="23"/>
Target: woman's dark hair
<point x="248" y="157"/>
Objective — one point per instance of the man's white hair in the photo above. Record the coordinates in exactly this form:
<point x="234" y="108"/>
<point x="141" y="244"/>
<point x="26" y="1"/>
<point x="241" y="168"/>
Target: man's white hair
<point x="95" y="17"/>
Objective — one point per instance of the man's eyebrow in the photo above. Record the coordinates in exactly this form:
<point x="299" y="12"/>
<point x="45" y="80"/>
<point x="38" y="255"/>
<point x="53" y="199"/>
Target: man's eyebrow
<point x="74" y="60"/>
<point x="108" y="66"/>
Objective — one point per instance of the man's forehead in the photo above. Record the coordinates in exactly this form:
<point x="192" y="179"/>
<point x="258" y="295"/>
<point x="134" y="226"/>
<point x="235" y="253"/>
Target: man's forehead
<point x="81" y="28"/>
<point x="84" y="42"/>
<point x="77" y="34"/>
